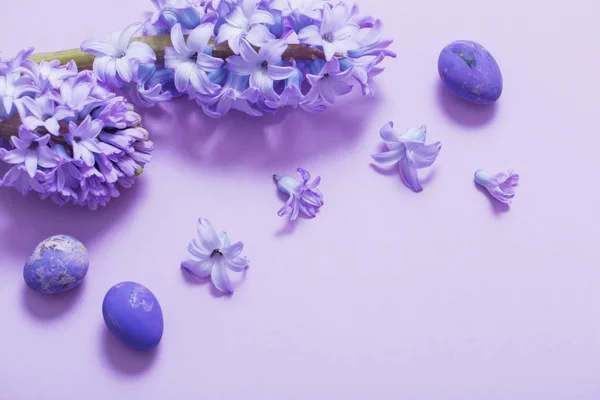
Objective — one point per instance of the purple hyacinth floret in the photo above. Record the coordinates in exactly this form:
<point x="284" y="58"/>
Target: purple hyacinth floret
<point x="409" y="152"/>
<point x="212" y="254"/>
<point x="500" y="185"/>
<point x="305" y="198"/>
<point x="216" y="43"/>
<point x="66" y="134"/>
<point x="118" y="58"/>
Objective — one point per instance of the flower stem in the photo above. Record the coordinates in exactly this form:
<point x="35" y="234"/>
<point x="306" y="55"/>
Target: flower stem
<point x="158" y="44"/>
<point x="9" y="127"/>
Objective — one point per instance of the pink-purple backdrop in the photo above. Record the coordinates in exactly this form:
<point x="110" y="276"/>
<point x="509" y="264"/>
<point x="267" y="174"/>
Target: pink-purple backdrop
<point x="387" y="294"/>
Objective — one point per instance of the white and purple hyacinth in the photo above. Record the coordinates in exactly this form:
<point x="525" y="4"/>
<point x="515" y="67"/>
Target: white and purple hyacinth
<point x="211" y="254"/>
<point x="501" y="185"/>
<point x="409" y="151"/>
<point x="304" y="198"/>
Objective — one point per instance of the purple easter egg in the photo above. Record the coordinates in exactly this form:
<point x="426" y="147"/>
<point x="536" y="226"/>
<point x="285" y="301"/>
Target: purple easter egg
<point x="133" y="315"/>
<point x="57" y="264"/>
<point x="470" y="72"/>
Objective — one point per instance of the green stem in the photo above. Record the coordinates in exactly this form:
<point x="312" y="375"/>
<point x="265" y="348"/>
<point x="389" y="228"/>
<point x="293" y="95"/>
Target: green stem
<point x="158" y="44"/>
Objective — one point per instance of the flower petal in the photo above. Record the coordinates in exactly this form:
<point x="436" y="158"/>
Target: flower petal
<point x="195" y="249"/>
<point x="200" y="269"/>
<point x="224" y="240"/>
<point x="238" y="65"/>
<point x="310" y="35"/>
<point x="237" y="264"/>
<point x="248" y="53"/>
<point x="98" y="48"/>
<point x="51" y="124"/>
<point x="424" y="156"/>
<point x="207" y="235"/>
<point x="388" y="133"/>
<point x="417" y="135"/>
<point x="179" y="42"/>
<point x="126" y="36"/>
<point x="233" y="251"/>
<point x="227" y="31"/>
<point x="345" y="32"/>
<point x="47" y="158"/>
<point x="327" y="93"/>
<point x="31" y="162"/>
<point x="236" y="18"/>
<point x="183" y="75"/>
<point x="272" y="51"/>
<point x="220" y="279"/>
<point x="199" y="37"/>
<point x="124" y="69"/>
<point x="263" y="82"/>
<point x="409" y="175"/>
<point x="13" y="157"/>
<point x="279" y="73"/>
<point x="389" y="158"/>
<point x="142" y="52"/>
<point x="259" y="35"/>
<point x="262" y="17"/>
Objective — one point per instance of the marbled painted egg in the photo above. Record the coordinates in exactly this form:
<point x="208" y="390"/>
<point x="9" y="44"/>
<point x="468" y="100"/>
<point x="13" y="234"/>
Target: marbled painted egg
<point x="470" y="72"/>
<point x="133" y="315"/>
<point x="57" y="264"/>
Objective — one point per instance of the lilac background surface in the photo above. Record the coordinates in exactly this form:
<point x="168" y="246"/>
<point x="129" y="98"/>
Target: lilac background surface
<point x="387" y="294"/>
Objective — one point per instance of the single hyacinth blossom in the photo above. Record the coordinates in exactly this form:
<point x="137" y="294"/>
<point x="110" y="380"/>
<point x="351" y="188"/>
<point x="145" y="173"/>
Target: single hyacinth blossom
<point x="409" y="152"/>
<point x="304" y="196"/>
<point x="212" y="254"/>
<point x="500" y="185"/>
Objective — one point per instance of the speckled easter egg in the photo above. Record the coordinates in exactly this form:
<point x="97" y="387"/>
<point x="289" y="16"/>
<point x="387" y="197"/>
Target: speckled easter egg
<point x="133" y="315"/>
<point x="57" y="264"/>
<point x="470" y="72"/>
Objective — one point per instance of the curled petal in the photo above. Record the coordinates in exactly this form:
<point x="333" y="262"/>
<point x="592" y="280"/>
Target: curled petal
<point x="424" y="156"/>
<point x="389" y="158"/>
<point x="142" y="52"/>
<point x="179" y="42"/>
<point x="126" y="36"/>
<point x="220" y="279"/>
<point x="238" y="264"/>
<point x="388" y="134"/>
<point x="409" y="175"/>
<point x="233" y="251"/>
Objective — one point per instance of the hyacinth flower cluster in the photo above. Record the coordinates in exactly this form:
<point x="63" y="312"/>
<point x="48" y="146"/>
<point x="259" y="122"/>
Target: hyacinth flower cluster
<point x="65" y="134"/>
<point x="254" y="56"/>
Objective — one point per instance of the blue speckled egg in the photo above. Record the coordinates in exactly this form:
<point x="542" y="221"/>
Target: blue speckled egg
<point x="470" y="72"/>
<point x="133" y="315"/>
<point x="57" y="264"/>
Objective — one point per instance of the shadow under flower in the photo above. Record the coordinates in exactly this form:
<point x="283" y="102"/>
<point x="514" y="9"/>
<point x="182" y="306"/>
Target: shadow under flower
<point x="284" y="140"/>
<point x="27" y="220"/>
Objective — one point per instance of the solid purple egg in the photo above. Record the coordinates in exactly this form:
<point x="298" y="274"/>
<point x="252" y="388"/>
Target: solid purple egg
<point x="133" y="315"/>
<point x="57" y="264"/>
<point x="470" y="72"/>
